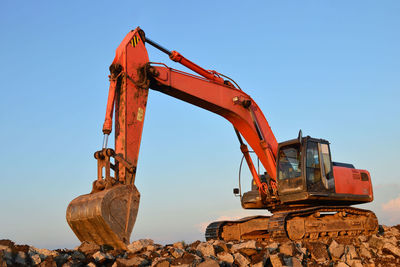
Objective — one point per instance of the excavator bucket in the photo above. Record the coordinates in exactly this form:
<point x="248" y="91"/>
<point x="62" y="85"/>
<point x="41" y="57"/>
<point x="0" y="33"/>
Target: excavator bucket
<point x="105" y="217"/>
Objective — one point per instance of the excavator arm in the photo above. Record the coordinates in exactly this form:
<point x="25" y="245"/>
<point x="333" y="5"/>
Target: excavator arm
<point x="113" y="203"/>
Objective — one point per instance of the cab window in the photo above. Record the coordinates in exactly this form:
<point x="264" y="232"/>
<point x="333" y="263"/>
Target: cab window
<point x="289" y="162"/>
<point x="326" y="159"/>
<point x="312" y="163"/>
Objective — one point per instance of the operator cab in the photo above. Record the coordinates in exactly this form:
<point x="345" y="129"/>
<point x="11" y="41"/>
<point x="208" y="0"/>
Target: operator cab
<point x="304" y="165"/>
<point x="306" y="173"/>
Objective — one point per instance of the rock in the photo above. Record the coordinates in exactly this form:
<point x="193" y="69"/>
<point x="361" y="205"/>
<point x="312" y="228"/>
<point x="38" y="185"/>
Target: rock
<point x="246" y="245"/>
<point x="6" y="243"/>
<point x="341" y="264"/>
<point x="70" y="264"/>
<point x="260" y="257"/>
<point x="248" y="251"/>
<point x="151" y="255"/>
<point x="241" y="260"/>
<point x="77" y="255"/>
<point x="3" y="262"/>
<point x="296" y="262"/>
<point x="177" y="253"/>
<point x="336" y="250"/>
<point x="35" y="259"/>
<point x="318" y="251"/>
<point x="225" y="256"/>
<point x="376" y="242"/>
<point x="393" y="231"/>
<point x="2" y="247"/>
<point x="179" y="245"/>
<point x="351" y="252"/>
<point x="385" y="228"/>
<point x="151" y="248"/>
<point x="287" y="260"/>
<point x="260" y="264"/>
<point x="44" y="253"/>
<point x="91" y="264"/>
<point x="195" y="244"/>
<point x="276" y="261"/>
<point x="389" y="257"/>
<point x="101" y="257"/>
<point x="20" y="258"/>
<point x="364" y="252"/>
<point x="356" y="263"/>
<point x="22" y="248"/>
<point x="273" y="247"/>
<point x="390" y="248"/>
<point x="392" y="240"/>
<point x="61" y="259"/>
<point x="209" y="263"/>
<point x="138" y="245"/>
<point x="7" y="253"/>
<point x="206" y="249"/>
<point x="187" y="258"/>
<point x="48" y="262"/>
<point x="160" y="263"/>
<point x="220" y="246"/>
<point x="287" y="249"/>
<point x="362" y="238"/>
<point x="302" y="251"/>
<point x="88" y="248"/>
<point x="134" y="261"/>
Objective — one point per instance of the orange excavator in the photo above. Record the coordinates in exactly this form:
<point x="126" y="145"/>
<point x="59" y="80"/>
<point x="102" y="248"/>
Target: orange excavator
<point x="308" y="194"/>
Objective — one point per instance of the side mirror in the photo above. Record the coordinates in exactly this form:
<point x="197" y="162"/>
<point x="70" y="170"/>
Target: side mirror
<point x="236" y="191"/>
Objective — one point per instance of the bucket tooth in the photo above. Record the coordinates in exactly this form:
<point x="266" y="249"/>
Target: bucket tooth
<point x="105" y="217"/>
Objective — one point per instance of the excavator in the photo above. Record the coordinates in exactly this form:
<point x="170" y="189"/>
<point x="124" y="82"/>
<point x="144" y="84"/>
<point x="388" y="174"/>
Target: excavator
<point x="308" y="194"/>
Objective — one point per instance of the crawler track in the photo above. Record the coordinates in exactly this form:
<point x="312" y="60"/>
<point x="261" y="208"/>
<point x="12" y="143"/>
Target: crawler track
<point x="305" y="224"/>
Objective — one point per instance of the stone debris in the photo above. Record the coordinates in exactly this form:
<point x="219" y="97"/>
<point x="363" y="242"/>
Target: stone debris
<point x="245" y="245"/>
<point x="138" y="245"/>
<point x="390" y="248"/>
<point x="225" y="257"/>
<point x="382" y="249"/>
<point x="276" y="260"/>
<point x="336" y="250"/>
<point x="206" y="249"/>
<point x="319" y="251"/>
<point x="241" y="260"/>
<point x="287" y="248"/>
<point x="209" y="263"/>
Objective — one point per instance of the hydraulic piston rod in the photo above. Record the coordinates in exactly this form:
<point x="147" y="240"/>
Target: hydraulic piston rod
<point x="177" y="57"/>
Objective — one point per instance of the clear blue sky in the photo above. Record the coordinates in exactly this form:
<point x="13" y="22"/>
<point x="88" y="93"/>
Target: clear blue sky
<point x="330" y="68"/>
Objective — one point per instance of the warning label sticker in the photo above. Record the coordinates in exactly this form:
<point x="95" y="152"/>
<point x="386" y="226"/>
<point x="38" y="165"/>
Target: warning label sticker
<point x="135" y="40"/>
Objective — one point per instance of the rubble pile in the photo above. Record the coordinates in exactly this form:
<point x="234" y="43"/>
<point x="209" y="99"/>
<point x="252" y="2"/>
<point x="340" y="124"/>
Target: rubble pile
<point x="382" y="249"/>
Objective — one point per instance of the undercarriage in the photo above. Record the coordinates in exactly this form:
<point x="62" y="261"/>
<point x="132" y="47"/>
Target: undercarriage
<point x="305" y="224"/>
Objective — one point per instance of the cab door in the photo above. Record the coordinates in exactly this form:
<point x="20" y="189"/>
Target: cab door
<point x="290" y="178"/>
<point x="319" y="174"/>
